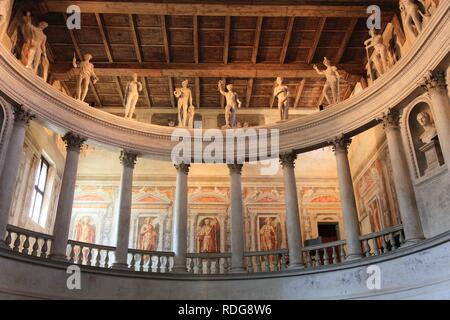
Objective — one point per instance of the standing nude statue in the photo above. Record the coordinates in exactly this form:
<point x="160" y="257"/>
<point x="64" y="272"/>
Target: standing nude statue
<point x="332" y="81"/>
<point x="281" y="91"/>
<point x="410" y="14"/>
<point x="233" y="101"/>
<point x="84" y="78"/>
<point x="132" y="96"/>
<point x="381" y="55"/>
<point x="184" y="95"/>
<point x="190" y="117"/>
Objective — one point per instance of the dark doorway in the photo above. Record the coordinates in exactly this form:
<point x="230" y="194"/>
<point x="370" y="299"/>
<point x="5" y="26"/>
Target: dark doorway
<point x="328" y="231"/>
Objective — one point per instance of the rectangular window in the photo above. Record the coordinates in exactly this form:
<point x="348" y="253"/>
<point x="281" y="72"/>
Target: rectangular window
<point x="40" y="184"/>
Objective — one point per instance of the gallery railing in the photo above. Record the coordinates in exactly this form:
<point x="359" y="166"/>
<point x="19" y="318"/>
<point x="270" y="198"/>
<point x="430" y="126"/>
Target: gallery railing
<point x="208" y="263"/>
<point x="38" y="245"/>
<point x="377" y="243"/>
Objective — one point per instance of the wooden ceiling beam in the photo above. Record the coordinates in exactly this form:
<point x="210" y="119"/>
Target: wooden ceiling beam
<point x="165" y="38"/>
<point x="226" y="45"/>
<point x="344" y="43"/>
<point x="195" y="36"/>
<point x="171" y="90"/>
<point x="249" y="92"/>
<point x="312" y="50"/>
<point x="222" y="98"/>
<point x="80" y="57"/>
<point x="245" y="70"/>
<point x="197" y="92"/>
<point x="216" y="9"/>
<point x="259" y="22"/>
<point x="287" y="39"/>
<point x="300" y="88"/>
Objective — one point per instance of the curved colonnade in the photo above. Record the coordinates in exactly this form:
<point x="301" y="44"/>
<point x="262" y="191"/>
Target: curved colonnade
<point x="31" y="98"/>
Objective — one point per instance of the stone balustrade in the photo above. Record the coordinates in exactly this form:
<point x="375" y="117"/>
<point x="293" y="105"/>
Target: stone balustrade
<point x="387" y="240"/>
<point x="208" y="263"/>
<point x="28" y="242"/>
<point x="90" y="254"/>
<point x="267" y="261"/>
<point x="150" y="261"/>
<point x="324" y="254"/>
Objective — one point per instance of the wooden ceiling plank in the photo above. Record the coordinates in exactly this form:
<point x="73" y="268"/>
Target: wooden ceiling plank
<point x="226" y="45"/>
<point x="165" y="37"/>
<point x="259" y="22"/>
<point x="300" y="88"/>
<point x="136" y="41"/>
<point x="105" y="41"/>
<point x="146" y="92"/>
<point x="344" y="43"/>
<point x="216" y="9"/>
<point x="80" y="57"/>
<point x="287" y="39"/>
<point x="196" y="46"/>
<point x="312" y="50"/>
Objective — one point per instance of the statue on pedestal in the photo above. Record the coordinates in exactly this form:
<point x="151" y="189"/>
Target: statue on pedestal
<point x="84" y="78"/>
<point x="381" y="55"/>
<point x="281" y="91"/>
<point x="424" y="119"/>
<point x="332" y="82"/>
<point x="233" y="102"/>
<point x="132" y="96"/>
<point x="184" y="95"/>
<point x="431" y="147"/>
<point x="410" y="14"/>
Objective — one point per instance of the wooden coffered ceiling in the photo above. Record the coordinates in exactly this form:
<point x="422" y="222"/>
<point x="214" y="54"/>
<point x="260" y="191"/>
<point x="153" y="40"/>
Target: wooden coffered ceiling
<point x="247" y="43"/>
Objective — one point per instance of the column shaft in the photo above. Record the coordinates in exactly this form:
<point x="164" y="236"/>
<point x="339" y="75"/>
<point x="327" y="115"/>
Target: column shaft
<point x="10" y="170"/>
<point x="128" y="160"/>
<point x="237" y="219"/>
<point x="180" y="217"/>
<point x="292" y="212"/>
<point x="66" y="195"/>
<point x="348" y="201"/>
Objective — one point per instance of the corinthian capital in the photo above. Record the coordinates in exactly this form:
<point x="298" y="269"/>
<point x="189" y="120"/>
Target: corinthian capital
<point x="128" y="158"/>
<point x="390" y="119"/>
<point x="182" y="167"/>
<point x="288" y="159"/>
<point x="21" y="115"/>
<point x="73" y="141"/>
<point x="340" y="143"/>
<point x="433" y="80"/>
<point x="235" y="168"/>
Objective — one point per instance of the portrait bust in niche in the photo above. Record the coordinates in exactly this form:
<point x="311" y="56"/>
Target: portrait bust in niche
<point x="429" y="130"/>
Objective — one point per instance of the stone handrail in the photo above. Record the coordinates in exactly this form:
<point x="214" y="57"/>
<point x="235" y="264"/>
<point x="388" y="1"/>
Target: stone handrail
<point x="267" y="261"/>
<point x="387" y="240"/>
<point x="28" y="242"/>
<point x="90" y="254"/>
<point x="354" y="115"/>
<point x="150" y="261"/>
<point x="324" y="253"/>
<point x="208" y="263"/>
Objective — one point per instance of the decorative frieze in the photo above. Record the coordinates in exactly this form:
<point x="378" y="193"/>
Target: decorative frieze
<point x="128" y="158"/>
<point x="73" y="141"/>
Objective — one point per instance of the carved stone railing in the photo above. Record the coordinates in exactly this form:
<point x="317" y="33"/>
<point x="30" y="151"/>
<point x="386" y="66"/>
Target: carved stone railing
<point x="28" y="242"/>
<point x="150" y="261"/>
<point x="267" y="261"/>
<point x="324" y="254"/>
<point x="89" y="254"/>
<point x="208" y="263"/>
<point x="377" y="243"/>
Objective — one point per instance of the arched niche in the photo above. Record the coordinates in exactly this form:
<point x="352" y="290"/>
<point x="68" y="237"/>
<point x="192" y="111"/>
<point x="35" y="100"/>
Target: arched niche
<point x="6" y="118"/>
<point x="422" y="141"/>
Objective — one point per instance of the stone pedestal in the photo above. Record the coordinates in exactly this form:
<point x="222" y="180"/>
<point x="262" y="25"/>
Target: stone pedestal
<point x="433" y="155"/>
<point x="66" y="194"/>
<point x="128" y="160"/>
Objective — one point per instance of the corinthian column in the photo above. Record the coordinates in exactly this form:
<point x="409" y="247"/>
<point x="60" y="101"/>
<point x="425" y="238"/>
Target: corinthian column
<point x="64" y="210"/>
<point x="434" y="83"/>
<point x="128" y="161"/>
<point x="349" y="211"/>
<point x="179" y="233"/>
<point x="11" y="167"/>
<point x="292" y="213"/>
<point x="237" y="219"/>
<point x="402" y="179"/>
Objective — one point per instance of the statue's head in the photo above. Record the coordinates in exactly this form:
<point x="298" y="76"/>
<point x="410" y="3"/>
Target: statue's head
<point x="279" y="80"/>
<point x="326" y="62"/>
<point x="43" y="25"/>
<point x="230" y="87"/>
<point x="423" y="118"/>
<point x="87" y="57"/>
<point x="185" y="83"/>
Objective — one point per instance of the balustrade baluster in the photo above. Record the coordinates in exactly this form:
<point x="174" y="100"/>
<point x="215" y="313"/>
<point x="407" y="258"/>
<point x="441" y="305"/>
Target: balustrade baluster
<point x="191" y="265"/>
<point x="366" y="248"/>
<point x="141" y="262"/>
<point x="217" y="266"/>
<point x="385" y="244"/>
<point x="392" y="241"/>
<point x="325" y="256"/>
<point x="342" y="252"/>
<point x="89" y="256"/>
<point x="167" y="268"/>
<point x="402" y="237"/>
<point x="334" y="255"/>
<point x="17" y="243"/>
<point x="249" y="264"/>
<point x="308" y="259"/>
<point x="317" y="258"/>
<point x="81" y="255"/>
<point x="71" y="253"/>
<point x="283" y="262"/>
<point x="267" y="264"/>
<point x="98" y="258"/>
<point x="44" y="249"/>
<point x="158" y="265"/>
<point x="132" y="262"/>
<point x="200" y="265"/>
<point x="35" y="247"/>
<point x="208" y="266"/>
<point x="8" y="239"/>
<point x="107" y="259"/>
<point x="376" y="250"/>
<point x="225" y="265"/>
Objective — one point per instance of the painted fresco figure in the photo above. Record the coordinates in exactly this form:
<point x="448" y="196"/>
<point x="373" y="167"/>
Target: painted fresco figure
<point x="148" y="237"/>
<point x="233" y="102"/>
<point x="281" y="92"/>
<point x="131" y="96"/>
<point x="332" y="81"/>
<point x="208" y="236"/>
<point x="184" y="96"/>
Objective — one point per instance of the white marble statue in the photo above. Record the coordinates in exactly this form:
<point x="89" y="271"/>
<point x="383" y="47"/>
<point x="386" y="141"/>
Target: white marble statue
<point x="332" y="75"/>
<point x="84" y="78"/>
<point x="429" y="130"/>
<point x="410" y="15"/>
<point x="233" y="102"/>
<point x="281" y="92"/>
<point x="34" y="51"/>
<point x="184" y="96"/>
<point x="381" y="55"/>
<point x="190" y="117"/>
<point x="132" y="96"/>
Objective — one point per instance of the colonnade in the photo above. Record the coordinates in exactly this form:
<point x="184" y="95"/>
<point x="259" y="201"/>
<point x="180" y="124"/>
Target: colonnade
<point x="402" y="179"/>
